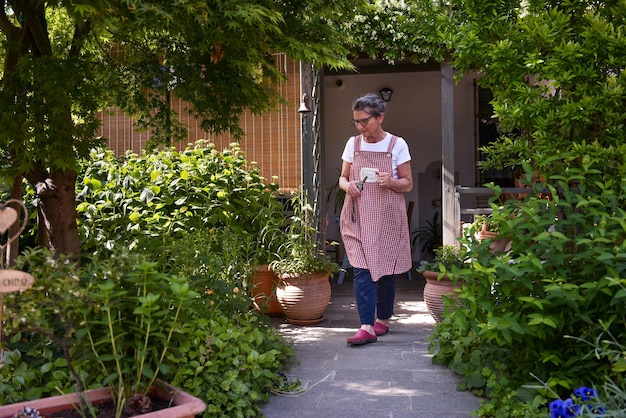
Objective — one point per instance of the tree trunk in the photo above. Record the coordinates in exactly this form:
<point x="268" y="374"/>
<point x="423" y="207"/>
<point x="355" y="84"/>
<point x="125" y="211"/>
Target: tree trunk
<point x="56" y="212"/>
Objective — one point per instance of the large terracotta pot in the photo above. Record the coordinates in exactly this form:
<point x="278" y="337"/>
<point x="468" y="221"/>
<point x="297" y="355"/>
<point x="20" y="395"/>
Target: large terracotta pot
<point x="183" y="404"/>
<point x="264" y="291"/>
<point x="304" y="298"/>
<point x="434" y="290"/>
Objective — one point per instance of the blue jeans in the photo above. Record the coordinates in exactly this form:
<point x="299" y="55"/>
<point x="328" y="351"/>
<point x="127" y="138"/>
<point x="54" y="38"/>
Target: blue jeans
<point x="373" y="299"/>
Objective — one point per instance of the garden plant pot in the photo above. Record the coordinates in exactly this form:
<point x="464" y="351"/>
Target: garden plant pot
<point x="264" y="283"/>
<point x="304" y="298"/>
<point x="434" y="290"/>
<point x="183" y="405"/>
<point x="497" y="245"/>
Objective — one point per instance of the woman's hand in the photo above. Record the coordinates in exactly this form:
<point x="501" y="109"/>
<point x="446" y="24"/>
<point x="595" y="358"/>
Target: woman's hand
<point x="352" y="189"/>
<point x="404" y="182"/>
<point x="384" y="179"/>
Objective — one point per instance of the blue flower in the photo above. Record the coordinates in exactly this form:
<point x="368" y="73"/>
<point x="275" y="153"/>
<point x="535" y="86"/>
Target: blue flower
<point x="557" y="409"/>
<point x="568" y="408"/>
<point x="585" y="393"/>
<point x="596" y="410"/>
<point x="571" y="408"/>
<point x="564" y="409"/>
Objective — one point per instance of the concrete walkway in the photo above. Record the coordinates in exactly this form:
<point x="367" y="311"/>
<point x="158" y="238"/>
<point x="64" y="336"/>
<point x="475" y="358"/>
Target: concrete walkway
<point x="391" y="378"/>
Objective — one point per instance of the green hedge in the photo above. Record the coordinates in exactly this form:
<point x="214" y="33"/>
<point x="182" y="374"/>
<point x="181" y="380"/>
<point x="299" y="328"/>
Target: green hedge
<point x="169" y="242"/>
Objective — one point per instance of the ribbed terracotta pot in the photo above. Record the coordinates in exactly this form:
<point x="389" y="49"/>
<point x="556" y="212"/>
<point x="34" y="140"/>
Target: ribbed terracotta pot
<point x="304" y="298"/>
<point x="434" y="290"/>
<point x="264" y="291"/>
<point x="183" y="405"/>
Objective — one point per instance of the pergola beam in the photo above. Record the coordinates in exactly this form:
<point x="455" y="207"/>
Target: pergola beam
<point x="449" y="217"/>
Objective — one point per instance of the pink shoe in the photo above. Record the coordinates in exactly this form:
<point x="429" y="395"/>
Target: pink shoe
<point x="380" y="328"/>
<point x="362" y="337"/>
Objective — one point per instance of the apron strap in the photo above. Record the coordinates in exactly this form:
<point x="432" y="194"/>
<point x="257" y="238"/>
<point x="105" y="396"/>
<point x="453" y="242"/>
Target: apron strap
<point x="357" y="144"/>
<point x="392" y="143"/>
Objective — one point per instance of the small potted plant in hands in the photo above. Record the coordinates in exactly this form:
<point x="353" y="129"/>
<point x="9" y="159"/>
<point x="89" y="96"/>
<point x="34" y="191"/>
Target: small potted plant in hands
<point x="441" y="278"/>
<point x="303" y="267"/>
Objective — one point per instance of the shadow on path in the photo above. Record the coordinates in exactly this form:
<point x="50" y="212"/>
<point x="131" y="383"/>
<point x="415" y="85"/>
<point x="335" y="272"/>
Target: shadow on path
<point x="393" y="377"/>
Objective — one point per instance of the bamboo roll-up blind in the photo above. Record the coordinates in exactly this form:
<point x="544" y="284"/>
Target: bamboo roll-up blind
<point x="272" y="140"/>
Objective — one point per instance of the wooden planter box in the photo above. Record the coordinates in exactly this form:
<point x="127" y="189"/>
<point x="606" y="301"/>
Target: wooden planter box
<point x="183" y="404"/>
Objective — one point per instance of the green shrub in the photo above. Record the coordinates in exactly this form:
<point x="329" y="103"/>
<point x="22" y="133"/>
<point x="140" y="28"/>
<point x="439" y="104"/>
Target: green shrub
<point x="170" y="241"/>
<point x="167" y="193"/>
<point x="227" y="355"/>
<point x="564" y="275"/>
<point x="232" y="364"/>
<point x="216" y="262"/>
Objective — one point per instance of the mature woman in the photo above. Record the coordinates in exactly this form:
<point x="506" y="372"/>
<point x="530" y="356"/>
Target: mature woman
<point x="375" y="174"/>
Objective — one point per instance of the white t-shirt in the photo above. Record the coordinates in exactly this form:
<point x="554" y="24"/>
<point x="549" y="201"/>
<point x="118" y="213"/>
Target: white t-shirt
<point x="399" y="154"/>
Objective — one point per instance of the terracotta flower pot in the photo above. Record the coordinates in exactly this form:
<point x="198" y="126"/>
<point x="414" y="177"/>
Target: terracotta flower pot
<point x="497" y="245"/>
<point x="183" y="404"/>
<point x="304" y="298"/>
<point x="264" y="291"/>
<point x="434" y="290"/>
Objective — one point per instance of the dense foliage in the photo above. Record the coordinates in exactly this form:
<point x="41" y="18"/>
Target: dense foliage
<point x="64" y="61"/>
<point x="396" y="30"/>
<point x="535" y="317"/>
<point x="533" y="314"/>
<point x="162" y="290"/>
<point x="537" y="313"/>
<point x="537" y="321"/>
<point x="146" y="199"/>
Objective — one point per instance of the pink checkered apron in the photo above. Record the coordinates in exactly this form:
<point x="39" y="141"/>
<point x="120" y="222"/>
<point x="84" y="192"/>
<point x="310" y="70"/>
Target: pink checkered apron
<point x="374" y="227"/>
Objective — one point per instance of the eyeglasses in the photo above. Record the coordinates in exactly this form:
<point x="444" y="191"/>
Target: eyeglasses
<point x="361" y="122"/>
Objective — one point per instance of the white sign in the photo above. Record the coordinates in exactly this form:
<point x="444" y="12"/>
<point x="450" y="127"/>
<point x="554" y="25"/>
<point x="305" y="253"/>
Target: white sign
<point x="369" y="174"/>
<point x="8" y="216"/>
<point x="14" y="280"/>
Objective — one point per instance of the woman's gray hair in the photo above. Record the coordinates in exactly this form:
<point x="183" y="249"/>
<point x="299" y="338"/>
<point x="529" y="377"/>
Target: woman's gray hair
<point x="369" y="103"/>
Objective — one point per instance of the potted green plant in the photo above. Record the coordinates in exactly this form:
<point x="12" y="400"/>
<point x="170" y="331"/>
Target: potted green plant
<point x="429" y="236"/>
<point x="303" y="267"/>
<point x="115" y="321"/>
<point x="441" y="278"/>
<point x="264" y="247"/>
<point x="487" y="227"/>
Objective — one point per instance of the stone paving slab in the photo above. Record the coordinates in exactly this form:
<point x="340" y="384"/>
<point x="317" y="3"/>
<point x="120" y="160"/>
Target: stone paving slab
<point x="392" y="378"/>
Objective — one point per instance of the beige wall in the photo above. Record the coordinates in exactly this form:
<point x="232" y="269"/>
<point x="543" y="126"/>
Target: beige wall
<point x="414" y="112"/>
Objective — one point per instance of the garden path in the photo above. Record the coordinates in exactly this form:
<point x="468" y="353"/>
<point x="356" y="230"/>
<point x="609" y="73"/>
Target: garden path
<point x="392" y="378"/>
